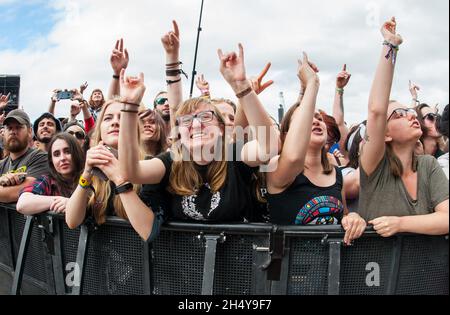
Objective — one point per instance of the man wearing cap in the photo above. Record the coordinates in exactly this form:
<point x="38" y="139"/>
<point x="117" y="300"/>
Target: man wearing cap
<point x="45" y="127"/>
<point x="24" y="164"/>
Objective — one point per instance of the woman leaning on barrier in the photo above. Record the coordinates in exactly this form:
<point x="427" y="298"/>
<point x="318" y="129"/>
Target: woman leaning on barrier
<point x="400" y="192"/>
<point x="305" y="188"/>
<point x="52" y="191"/>
<point x="203" y="187"/>
<point x="102" y="191"/>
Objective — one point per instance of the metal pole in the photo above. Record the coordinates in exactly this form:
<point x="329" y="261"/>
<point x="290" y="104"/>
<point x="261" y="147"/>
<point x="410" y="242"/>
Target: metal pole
<point x="194" y="72"/>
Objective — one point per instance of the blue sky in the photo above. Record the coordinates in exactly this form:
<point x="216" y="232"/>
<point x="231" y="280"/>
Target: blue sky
<point x="22" y="22"/>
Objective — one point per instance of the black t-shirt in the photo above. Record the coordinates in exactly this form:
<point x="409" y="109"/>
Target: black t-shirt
<point x="233" y="203"/>
<point x="305" y="203"/>
<point x="33" y="162"/>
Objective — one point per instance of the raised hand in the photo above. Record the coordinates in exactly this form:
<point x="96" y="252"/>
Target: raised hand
<point x="4" y="99"/>
<point x="413" y="89"/>
<point x="343" y="78"/>
<point x="232" y="68"/>
<point x="2" y="120"/>
<point x="307" y="71"/>
<point x="201" y="83"/>
<point x="55" y="98"/>
<point x="76" y="95"/>
<point x="389" y="32"/>
<point x="119" y="57"/>
<point x="171" y="41"/>
<point x="83" y="87"/>
<point x="132" y="89"/>
<point x="256" y="82"/>
<point x="75" y="110"/>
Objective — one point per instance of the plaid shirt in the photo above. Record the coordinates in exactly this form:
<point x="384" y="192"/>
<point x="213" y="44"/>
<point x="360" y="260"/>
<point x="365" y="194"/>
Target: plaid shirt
<point x="44" y="186"/>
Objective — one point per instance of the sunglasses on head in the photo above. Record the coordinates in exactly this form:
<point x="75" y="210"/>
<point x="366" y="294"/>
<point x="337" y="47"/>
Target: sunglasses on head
<point x="161" y="100"/>
<point x="79" y="135"/>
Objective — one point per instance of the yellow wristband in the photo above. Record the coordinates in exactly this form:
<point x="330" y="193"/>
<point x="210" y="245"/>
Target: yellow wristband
<point x="84" y="183"/>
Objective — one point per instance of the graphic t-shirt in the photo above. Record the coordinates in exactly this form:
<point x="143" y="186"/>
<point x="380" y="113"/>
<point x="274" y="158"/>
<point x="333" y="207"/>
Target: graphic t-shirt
<point x="33" y="162"/>
<point x="232" y="203"/>
<point x="304" y="203"/>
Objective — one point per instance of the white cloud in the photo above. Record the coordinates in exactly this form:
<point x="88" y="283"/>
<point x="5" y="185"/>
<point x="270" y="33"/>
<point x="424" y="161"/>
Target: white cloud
<point x="333" y="32"/>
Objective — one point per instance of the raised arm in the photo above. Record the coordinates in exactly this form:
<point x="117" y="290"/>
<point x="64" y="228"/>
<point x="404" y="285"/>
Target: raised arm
<point x="119" y="60"/>
<point x="53" y="100"/>
<point x="240" y="120"/>
<point x="265" y="144"/>
<point x="138" y="172"/>
<point x="413" y="89"/>
<point x="374" y="148"/>
<point x="171" y="44"/>
<point x="338" y="106"/>
<point x="203" y="86"/>
<point x="292" y="159"/>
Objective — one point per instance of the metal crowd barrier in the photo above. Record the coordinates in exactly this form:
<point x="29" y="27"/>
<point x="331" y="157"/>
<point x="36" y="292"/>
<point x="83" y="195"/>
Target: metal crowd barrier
<point x="40" y="255"/>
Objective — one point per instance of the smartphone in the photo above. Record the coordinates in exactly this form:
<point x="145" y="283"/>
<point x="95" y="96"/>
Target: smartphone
<point x="64" y="95"/>
<point x="98" y="173"/>
<point x="334" y="147"/>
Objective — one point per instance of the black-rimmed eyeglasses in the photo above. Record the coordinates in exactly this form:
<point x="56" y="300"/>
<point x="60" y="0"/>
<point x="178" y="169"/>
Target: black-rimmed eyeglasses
<point x="203" y="117"/>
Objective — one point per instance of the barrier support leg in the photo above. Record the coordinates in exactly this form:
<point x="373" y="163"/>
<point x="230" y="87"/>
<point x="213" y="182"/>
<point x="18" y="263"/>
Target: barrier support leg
<point x="210" y="262"/>
<point x="22" y="256"/>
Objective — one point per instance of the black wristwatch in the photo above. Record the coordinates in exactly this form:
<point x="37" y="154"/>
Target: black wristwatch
<point x="123" y="188"/>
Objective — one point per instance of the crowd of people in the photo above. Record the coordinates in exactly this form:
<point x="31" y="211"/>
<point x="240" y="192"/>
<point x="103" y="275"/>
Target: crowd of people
<point x="214" y="160"/>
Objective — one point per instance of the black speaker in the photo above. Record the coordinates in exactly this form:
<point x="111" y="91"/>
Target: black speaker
<point x="10" y="84"/>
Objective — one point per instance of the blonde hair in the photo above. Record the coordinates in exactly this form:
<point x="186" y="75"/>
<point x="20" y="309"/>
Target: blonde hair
<point x="185" y="180"/>
<point x="98" y="202"/>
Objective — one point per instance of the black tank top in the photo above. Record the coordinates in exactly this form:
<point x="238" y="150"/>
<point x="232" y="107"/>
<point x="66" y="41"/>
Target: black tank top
<point x="304" y="203"/>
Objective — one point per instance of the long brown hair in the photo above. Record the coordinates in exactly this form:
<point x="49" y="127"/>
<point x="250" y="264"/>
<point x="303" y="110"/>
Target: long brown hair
<point x="67" y="187"/>
<point x="91" y="102"/>
<point x="395" y="165"/>
<point x="98" y="202"/>
<point x="185" y="180"/>
<point x="286" y="123"/>
<point x="160" y="132"/>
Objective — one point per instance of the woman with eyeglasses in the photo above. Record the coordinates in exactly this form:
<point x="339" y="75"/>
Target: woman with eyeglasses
<point x="431" y="137"/>
<point x="102" y="190"/>
<point x="52" y="191"/>
<point x="304" y="188"/>
<point x="400" y="192"/>
<point x="203" y="186"/>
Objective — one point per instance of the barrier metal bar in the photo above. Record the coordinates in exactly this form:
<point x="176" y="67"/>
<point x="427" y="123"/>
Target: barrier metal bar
<point x="210" y="262"/>
<point x="147" y="275"/>
<point x="334" y="266"/>
<point x="57" y="260"/>
<point x="395" y="266"/>
<point x="81" y="257"/>
<point x="20" y="266"/>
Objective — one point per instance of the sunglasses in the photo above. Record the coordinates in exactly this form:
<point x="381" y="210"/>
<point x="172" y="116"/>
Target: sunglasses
<point x="431" y="117"/>
<point x="161" y="100"/>
<point x="402" y="113"/>
<point x="79" y="135"/>
<point x="203" y="117"/>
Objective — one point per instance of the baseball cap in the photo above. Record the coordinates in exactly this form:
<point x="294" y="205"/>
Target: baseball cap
<point x="18" y="115"/>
